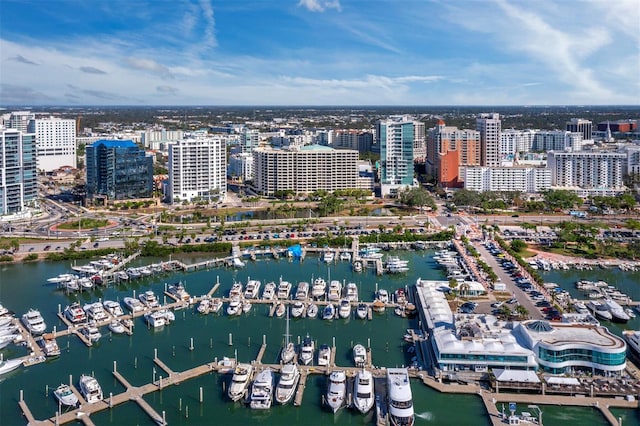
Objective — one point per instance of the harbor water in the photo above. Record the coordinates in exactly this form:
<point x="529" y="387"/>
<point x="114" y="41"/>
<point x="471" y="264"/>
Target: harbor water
<point x="217" y="336"/>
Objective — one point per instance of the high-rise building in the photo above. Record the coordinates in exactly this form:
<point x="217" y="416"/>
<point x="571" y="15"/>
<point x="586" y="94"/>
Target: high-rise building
<point x="55" y="142"/>
<point x="249" y="139"/>
<point x="419" y="142"/>
<point x="18" y="174"/>
<point x="557" y="140"/>
<point x="240" y="166"/>
<point x="118" y="170"/>
<point x="580" y="125"/>
<point x="490" y="128"/>
<point x="523" y="179"/>
<point x="395" y="136"/>
<point x="19" y="120"/>
<point x="588" y="172"/>
<point x="304" y="170"/>
<point x="512" y="141"/>
<point x="198" y="169"/>
<point x="448" y="148"/>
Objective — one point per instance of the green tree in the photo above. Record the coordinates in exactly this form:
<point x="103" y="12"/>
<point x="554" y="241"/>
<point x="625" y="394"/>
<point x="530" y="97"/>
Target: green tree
<point x="518" y="245"/>
<point x="561" y="199"/>
<point x="417" y="197"/>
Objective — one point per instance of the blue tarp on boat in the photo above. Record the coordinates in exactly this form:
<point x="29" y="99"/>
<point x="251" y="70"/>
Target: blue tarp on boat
<point x="296" y="250"/>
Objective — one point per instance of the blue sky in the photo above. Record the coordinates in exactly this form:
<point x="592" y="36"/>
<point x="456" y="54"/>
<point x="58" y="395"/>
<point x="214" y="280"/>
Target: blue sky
<point x="319" y="52"/>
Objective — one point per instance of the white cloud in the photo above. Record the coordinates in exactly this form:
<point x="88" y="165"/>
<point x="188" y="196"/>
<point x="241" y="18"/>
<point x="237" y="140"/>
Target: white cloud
<point x="320" y="5"/>
<point x="210" y="40"/>
<point x="148" y="65"/>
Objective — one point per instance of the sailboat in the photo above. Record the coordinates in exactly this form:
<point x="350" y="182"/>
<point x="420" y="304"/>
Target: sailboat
<point x="289" y="350"/>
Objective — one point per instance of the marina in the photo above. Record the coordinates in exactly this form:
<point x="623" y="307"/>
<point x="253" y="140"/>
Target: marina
<point x="205" y="353"/>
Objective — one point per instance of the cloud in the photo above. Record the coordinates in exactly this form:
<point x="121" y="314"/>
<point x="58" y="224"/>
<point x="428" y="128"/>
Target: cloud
<point x="14" y="94"/>
<point x="320" y="5"/>
<point x="23" y="60"/>
<point x="167" y="90"/>
<point x="91" y="70"/>
<point x="149" y="65"/>
<point x="210" y="25"/>
<point x="100" y="94"/>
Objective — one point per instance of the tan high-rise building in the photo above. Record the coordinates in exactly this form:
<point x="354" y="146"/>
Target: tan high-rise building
<point x="490" y="127"/>
<point x="448" y="148"/>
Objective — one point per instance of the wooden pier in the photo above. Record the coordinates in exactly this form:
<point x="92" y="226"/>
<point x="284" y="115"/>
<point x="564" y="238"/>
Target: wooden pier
<point x="302" y="383"/>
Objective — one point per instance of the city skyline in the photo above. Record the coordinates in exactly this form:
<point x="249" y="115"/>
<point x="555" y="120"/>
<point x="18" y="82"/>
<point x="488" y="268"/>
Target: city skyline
<point x="320" y="52"/>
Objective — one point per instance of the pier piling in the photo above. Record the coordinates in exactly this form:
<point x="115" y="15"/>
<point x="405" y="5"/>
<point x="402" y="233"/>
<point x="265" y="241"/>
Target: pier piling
<point x="191" y="345"/>
<point x="230" y="339"/>
<point x="201" y="399"/>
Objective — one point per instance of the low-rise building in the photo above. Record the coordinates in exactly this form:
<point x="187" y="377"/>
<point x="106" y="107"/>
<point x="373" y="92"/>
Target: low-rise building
<point x="523" y="179"/>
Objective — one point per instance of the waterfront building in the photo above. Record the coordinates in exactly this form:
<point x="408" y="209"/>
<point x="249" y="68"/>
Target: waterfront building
<point x="118" y="170"/>
<point x="304" y="170"/>
<point x="567" y="347"/>
<point x="557" y="140"/>
<point x="55" y="142"/>
<point x="517" y="178"/>
<point x="18" y="173"/>
<point x="197" y="169"/>
<point x="395" y="136"/>
<point x="241" y="166"/>
<point x="490" y="128"/>
<point x="449" y="148"/>
<point x="580" y="125"/>
<point x="587" y="172"/>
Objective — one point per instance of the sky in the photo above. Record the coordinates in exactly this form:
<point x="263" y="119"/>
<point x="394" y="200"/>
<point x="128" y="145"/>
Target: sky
<point x="319" y="52"/>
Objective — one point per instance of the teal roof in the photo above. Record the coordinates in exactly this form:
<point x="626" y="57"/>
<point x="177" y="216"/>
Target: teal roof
<point x="316" y="148"/>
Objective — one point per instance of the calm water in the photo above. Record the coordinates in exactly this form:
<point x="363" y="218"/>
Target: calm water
<point x="22" y="287"/>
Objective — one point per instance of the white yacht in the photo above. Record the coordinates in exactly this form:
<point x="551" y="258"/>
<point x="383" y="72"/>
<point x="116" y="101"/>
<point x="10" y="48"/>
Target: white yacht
<point x="617" y="312"/>
<point x="7" y="339"/>
<point x="297" y="309"/>
<point x="351" y="293"/>
<point x="90" y="389"/>
<point x="329" y="312"/>
<point x="204" y="306"/>
<point x="312" y="310"/>
<point x="240" y="381"/>
<point x="75" y="313"/>
<point x="284" y="288"/>
<point x="336" y="390"/>
<point x="246" y="306"/>
<point x="122" y="276"/>
<point x="235" y="307"/>
<point x="216" y="305"/>
<point x="178" y="291"/>
<point x="65" y="396"/>
<point x="307" y="350"/>
<point x="633" y="340"/>
<point x="34" y="322"/>
<point x="319" y="288"/>
<point x="600" y="310"/>
<point x="252" y="290"/>
<point x="383" y="295"/>
<point x="155" y="319"/>
<point x="133" y="304"/>
<point x="261" y="395"/>
<point x="149" y="299"/>
<point x="269" y="291"/>
<point x="363" y="394"/>
<point x="116" y="327"/>
<point x="394" y="265"/>
<point x="49" y="346"/>
<point x="280" y="310"/>
<point x="8" y="365"/>
<point x="328" y="256"/>
<point x="288" y="353"/>
<point x="236" y="290"/>
<point x="95" y="311"/>
<point x="362" y="310"/>
<point x="91" y="332"/>
<point x="302" y="292"/>
<point x="359" y="355"/>
<point x="371" y="252"/>
<point x="324" y="355"/>
<point x="400" y="400"/>
<point x="286" y="388"/>
<point x="335" y="291"/>
<point x="344" y="310"/>
<point x="113" y="308"/>
<point x="345" y="255"/>
<point x="357" y="266"/>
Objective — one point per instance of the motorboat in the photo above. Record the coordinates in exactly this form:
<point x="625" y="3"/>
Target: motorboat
<point x="95" y="311"/>
<point x="49" y="346"/>
<point x="90" y="389"/>
<point x="9" y="328"/>
<point x="34" y="322"/>
<point x="122" y="276"/>
<point x="359" y="355"/>
<point x="246" y="306"/>
<point x="399" y="397"/>
<point x="600" y="310"/>
<point x="324" y="355"/>
<point x="113" y="308"/>
<point x="269" y="291"/>
<point x="204" y="306"/>
<point x="344" y="310"/>
<point x="149" y="299"/>
<point x="133" y="273"/>
<point x="307" y="350"/>
<point x="617" y="312"/>
<point x="72" y="285"/>
<point x="363" y="394"/>
<point x="236" y="290"/>
<point x="216" y="305"/>
<point x="133" y="304"/>
<point x="328" y="256"/>
<point x="75" y="313"/>
<point x="235" y="307"/>
<point x="357" y="266"/>
<point x="281" y="309"/>
<point x="302" y="292"/>
<point x="383" y="295"/>
<point x="155" y="319"/>
<point x="394" y="265"/>
<point x="297" y="309"/>
<point x="351" y="293"/>
<point x="371" y="253"/>
<point x="345" y="256"/>
<point x="65" y="396"/>
<point x="178" y="291"/>
<point x="335" y="291"/>
<point x="288" y="353"/>
<point x="261" y="395"/>
<point x="85" y="282"/>
<point x="252" y="290"/>
<point x="240" y="381"/>
<point x="401" y="297"/>
<point x="336" y="390"/>
<point x="7" y="339"/>
<point x="312" y="310"/>
<point x="116" y="327"/>
<point x="62" y="278"/>
<point x="8" y="365"/>
<point x="633" y="340"/>
<point x="329" y="312"/>
<point x="237" y="263"/>
<point x="6" y="319"/>
<point x="362" y="310"/>
<point x="284" y="288"/>
<point x="145" y="271"/>
<point x="91" y="332"/>
<point x="319" y="288"/>
<point x="286" y="388"/>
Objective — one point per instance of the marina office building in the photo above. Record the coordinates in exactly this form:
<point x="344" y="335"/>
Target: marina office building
<point x="478" y="343"/>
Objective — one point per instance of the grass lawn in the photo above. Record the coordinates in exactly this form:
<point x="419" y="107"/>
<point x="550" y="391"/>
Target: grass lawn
<point x="85" y="223"/>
